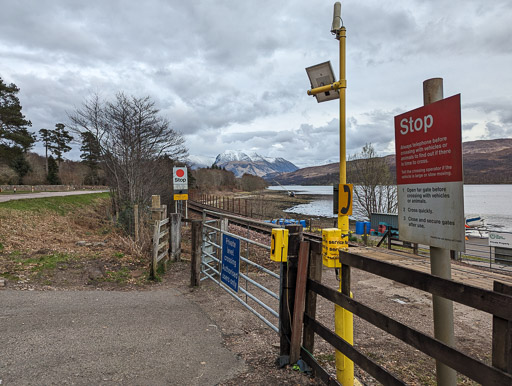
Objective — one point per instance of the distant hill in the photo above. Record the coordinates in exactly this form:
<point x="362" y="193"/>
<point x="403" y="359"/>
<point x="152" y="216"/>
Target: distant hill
<point x="484" y="162"/>
<point x="251" y="163"/>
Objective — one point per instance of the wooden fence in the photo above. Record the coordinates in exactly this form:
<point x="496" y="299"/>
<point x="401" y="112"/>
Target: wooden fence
<point x="497" y="302"/>
<point x="166" y="241"/>
<point x="301" y="283"/>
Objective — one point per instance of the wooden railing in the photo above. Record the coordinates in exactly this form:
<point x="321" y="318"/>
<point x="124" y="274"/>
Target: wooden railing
<point x="497" y="302"/>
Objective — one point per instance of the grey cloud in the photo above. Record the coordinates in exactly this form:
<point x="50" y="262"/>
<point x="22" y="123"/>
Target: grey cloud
<point x="493" y="130"/>
<point x="468" y="126"/>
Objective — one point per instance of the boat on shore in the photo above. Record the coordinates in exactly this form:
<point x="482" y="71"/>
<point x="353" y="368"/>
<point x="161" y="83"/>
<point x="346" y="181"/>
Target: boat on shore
<point x="475" y="227"/>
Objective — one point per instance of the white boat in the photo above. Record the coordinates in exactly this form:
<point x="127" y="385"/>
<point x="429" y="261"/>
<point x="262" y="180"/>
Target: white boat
<point x="475" y="227"/>
<point x="475" y="222"/>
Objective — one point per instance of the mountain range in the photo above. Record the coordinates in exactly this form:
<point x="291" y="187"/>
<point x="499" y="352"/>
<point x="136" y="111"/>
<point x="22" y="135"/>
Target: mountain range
<point x="240" y="163"/>
<point x="484" y="162"/>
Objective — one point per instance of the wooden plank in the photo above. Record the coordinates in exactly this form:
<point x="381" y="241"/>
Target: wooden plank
<point x="452" y="357"/>
<point x="161" y="256"/>
<point x="481" y="299"/>
<point x="300" y="300"/>
<point x="372" y="368"/>
<point x="502" y="335"/>
<point x="315" y="273"/>
<point x="345" y="279"/>
<point x="162" y="234"/>
<point x="164" y="221"/>
<point x="162" y="245"/>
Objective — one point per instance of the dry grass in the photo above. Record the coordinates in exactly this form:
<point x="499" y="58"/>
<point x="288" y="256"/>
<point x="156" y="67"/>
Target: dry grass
<point x="84" y="247"/>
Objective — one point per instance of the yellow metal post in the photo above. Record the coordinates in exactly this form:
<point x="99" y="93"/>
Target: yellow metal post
<point x="343" y="320"/>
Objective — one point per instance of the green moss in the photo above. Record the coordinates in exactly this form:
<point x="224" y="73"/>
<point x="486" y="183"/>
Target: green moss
<point x="121" y="276"/>
<point x="43" y="263"/>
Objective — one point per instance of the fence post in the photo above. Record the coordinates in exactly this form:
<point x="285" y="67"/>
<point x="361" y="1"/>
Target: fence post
<point x="155" y="217"/>
<point x="502" y="336"/>
<point x="300" y="300"/>
<point x="315" y="273"/>
<point x="163" y="215"/>
<point x="195" y="269"/>
<point x="288" y="276"/>
<point x="136" y="219"/>
<point x="175" y="236"/>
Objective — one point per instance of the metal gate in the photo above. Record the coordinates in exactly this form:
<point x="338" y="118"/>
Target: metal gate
<point x="257" y="287"/>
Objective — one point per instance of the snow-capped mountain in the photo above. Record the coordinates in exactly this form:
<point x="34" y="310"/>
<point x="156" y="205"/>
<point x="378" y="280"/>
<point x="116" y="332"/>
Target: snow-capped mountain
<point x="198" y="161"/>
<point x="252" y="163"/>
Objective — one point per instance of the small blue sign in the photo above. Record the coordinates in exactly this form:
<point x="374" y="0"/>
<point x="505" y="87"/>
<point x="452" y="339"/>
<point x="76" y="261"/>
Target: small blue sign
<point x="230" y="262"/>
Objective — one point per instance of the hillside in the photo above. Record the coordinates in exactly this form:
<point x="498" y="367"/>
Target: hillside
<point x="484" y="162"/>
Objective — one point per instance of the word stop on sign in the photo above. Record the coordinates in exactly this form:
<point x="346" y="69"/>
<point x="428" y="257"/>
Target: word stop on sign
<point x="418" y="124"/>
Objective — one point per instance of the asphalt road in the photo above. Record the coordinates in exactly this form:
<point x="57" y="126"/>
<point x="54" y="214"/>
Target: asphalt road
<point x="109" y="337"/>
<point x="21" y="196"/>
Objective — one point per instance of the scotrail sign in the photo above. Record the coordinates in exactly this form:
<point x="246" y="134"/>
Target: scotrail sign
<point x="429" y="175"/>
<point x="180" y="183"/>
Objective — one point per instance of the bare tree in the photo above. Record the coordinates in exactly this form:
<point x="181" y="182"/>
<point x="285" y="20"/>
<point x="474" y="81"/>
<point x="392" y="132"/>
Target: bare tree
<point x="374" y="190"/>
<point x="132" y="137"/>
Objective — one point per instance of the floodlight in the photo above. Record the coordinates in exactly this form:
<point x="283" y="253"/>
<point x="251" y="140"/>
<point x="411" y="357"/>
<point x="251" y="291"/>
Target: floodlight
<point x="322" y="75"/>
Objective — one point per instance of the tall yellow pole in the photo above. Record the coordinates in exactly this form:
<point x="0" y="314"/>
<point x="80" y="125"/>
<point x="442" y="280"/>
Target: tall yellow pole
<point x="343" y="320"/>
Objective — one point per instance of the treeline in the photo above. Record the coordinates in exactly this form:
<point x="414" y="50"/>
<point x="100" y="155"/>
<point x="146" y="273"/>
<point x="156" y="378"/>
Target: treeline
<point x="69" y="173"/>
<point x="216" y="179"/>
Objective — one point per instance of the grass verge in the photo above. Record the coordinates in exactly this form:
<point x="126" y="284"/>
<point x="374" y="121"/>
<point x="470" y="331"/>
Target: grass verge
<point x="61" y="205"/>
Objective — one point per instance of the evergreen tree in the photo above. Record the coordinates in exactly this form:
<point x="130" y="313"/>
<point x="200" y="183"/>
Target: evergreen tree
<point x="47" y="139"/>
<point x="15" y="139"/>
<point x="21" y="166"/>
<point x="61" y="139"/>
<point x="91" y="153"/>
<point x="53" y="172"/>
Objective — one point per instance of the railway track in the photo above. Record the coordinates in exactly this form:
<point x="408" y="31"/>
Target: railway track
<point x="259" y="226"/>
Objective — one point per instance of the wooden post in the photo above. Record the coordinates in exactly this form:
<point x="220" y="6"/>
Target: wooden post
<point x="299" y="302"/>
<point x="136" y="221"/>
<point x="287" y="288"/>
<point x="175" y="236"/>
<point x="154" y="254"/>
<point x="195" y="269"/>
<point x="155" y="216"/>
<point x="155" y="206"/>
<point x="315" y="273"/>
<point x="502" y="336"/>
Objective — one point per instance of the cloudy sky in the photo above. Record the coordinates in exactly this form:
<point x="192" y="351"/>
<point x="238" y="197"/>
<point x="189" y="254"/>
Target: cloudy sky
<point x="229" y="74"/>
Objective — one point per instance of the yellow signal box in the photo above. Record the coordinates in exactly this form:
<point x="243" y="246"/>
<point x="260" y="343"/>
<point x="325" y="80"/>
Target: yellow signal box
<point x="279" y="245"/>
<point x="332" y="242"/>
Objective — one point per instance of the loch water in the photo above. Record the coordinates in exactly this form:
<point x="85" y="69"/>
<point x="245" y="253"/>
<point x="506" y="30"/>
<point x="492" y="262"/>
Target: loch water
<point x="492" y="202"/>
